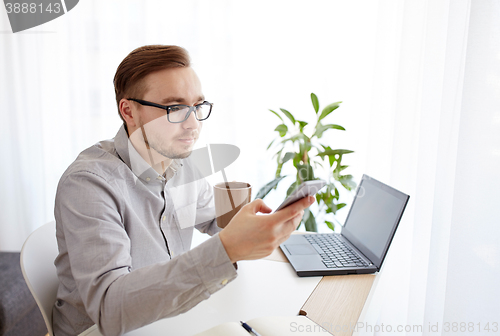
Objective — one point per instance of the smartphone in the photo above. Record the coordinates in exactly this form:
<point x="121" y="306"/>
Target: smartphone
<point x="303" y="190"/>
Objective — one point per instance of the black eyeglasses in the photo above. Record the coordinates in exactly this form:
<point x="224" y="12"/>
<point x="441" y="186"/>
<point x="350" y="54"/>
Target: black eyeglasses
<point x="180" y="113"/>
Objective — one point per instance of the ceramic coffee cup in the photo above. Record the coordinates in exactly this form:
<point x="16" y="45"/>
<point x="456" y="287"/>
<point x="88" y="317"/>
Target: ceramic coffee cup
<point x="229" y="198"/>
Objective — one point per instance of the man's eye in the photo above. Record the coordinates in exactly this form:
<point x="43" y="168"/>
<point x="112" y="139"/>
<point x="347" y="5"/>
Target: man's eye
<point x="175" y="108"/>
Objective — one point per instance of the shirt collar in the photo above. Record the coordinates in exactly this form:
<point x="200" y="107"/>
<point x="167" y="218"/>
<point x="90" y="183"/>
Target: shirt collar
<point x="137" y="164"/>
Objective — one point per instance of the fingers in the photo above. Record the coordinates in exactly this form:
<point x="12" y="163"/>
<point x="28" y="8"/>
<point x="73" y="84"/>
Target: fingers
<point x="293" y="209"/>
<point x="258" y="205"/>
<point x="297" y="219"/>
<point x="266" y="210"/>
<point x="291" y="226"/>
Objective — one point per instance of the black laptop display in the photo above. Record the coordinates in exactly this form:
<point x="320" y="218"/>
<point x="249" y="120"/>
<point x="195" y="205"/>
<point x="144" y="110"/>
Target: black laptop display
<point x="365" y="238"/>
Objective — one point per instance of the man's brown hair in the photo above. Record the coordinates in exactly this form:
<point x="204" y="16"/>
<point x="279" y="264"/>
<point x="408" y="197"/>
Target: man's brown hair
<point x="140" y="63"/>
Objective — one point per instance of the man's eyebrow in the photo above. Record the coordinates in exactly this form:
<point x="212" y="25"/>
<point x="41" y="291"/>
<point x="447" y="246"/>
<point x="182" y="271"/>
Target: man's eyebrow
<point x="179" y="100"/>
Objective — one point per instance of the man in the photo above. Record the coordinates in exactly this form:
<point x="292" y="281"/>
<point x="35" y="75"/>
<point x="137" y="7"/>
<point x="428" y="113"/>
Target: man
<point x="126" y="208"/>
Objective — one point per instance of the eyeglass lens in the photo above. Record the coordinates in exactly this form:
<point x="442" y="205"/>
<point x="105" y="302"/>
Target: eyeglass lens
<point x="180" y="113"/>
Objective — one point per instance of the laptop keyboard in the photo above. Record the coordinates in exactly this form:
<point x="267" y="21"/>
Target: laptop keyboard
<point x="334" y="252"/>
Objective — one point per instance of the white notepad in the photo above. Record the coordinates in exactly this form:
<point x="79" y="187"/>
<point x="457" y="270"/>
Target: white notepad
<point x="270" y="326"/>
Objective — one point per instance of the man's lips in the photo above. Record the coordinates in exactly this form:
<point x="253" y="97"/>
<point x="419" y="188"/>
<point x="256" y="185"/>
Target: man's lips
<point x="187" y="140"/>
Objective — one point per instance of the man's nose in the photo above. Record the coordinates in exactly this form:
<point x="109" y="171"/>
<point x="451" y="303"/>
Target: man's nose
<point x="191" y="121"/>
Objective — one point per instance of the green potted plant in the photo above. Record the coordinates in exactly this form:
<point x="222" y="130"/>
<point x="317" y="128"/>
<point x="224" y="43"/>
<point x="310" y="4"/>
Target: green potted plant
<point x="308" y="154"/>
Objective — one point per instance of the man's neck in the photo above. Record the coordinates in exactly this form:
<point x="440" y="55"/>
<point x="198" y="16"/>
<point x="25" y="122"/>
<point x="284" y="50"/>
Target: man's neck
<point x="157" y="161"/>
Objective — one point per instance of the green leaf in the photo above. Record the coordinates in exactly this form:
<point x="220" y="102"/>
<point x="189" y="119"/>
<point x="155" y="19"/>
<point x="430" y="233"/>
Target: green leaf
<point x="300" y="136"/>
<point x="305" y="172"/>
<point x="330" y="225"/>
<point x="288" y="156"/>
<point x="297" y="159"/>
<point x="331" y="159"/>
<point x="329" y="188"/>
<point x="291" y="188"/>
<point x="282" y="129"/>
<point x="320" y="128"/>
<point x="340" y="206"/>
<point x="289" y="115"/>
<point x="335" y="126"/>
<point x="302" y="148"/>
<point x="340" y="168"/>
<point x="269" y="146"/>
<point x="302" y="124"/>
<point x="278" y="170"/>
<point x="329" y="109"/>
<point x="315" y="102"/>
<point x="268" y="187"/>
<point x="347" y="182"/>
<point x="332" y="208"/>
<point x="296" y="137"/>
<point x="310" y="223"/>
<point x="277" y="115"/>
<point x="335" y="152"/>
<point x="280" y="163"/>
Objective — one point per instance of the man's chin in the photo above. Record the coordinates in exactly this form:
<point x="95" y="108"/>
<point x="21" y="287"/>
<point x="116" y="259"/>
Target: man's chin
<point x="178" y="155"/>
<point x="183" y="155"/>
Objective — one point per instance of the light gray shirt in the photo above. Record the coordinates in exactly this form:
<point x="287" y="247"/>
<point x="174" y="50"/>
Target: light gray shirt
<point x="124" y="234"/>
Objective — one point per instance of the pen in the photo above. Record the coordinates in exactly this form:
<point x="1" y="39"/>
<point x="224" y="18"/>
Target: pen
<point x="249" y="329"/>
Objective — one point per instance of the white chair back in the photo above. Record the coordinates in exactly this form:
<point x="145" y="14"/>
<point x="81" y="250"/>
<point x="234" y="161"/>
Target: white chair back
<point x="37" y="264"/>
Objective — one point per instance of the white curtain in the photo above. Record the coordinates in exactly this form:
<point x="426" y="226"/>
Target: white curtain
<point x="436" y="126"/>
<point x="420" y="86"/>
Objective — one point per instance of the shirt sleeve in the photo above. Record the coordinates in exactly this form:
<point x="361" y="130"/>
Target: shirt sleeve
<point x="117" y="298"/>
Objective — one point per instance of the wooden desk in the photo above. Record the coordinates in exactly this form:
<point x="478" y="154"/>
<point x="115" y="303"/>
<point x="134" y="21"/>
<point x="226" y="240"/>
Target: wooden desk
<point x="337" y="301"/>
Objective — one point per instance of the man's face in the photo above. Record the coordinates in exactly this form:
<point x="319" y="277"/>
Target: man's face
<point x="170" y="140"/>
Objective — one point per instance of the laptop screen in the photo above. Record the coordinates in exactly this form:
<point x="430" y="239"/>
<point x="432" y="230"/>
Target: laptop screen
<point x="373" y="218"/>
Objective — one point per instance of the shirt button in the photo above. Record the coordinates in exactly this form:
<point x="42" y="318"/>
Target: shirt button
<point x="163" y="218"/>
<point x="224" y="282"/>
<point x="148" y="179"/>
<point x="159" y="177"/>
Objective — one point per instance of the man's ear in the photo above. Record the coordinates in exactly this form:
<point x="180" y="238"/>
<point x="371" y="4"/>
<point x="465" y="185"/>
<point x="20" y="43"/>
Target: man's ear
<point x="126" y="112"/>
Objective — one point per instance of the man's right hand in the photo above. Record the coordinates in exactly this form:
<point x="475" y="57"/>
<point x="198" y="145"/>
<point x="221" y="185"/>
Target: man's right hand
<point x="252" y="236"/>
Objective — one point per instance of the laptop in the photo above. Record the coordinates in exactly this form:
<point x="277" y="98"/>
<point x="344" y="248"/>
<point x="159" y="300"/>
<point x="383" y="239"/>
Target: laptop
<point x="365" y="238"/>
